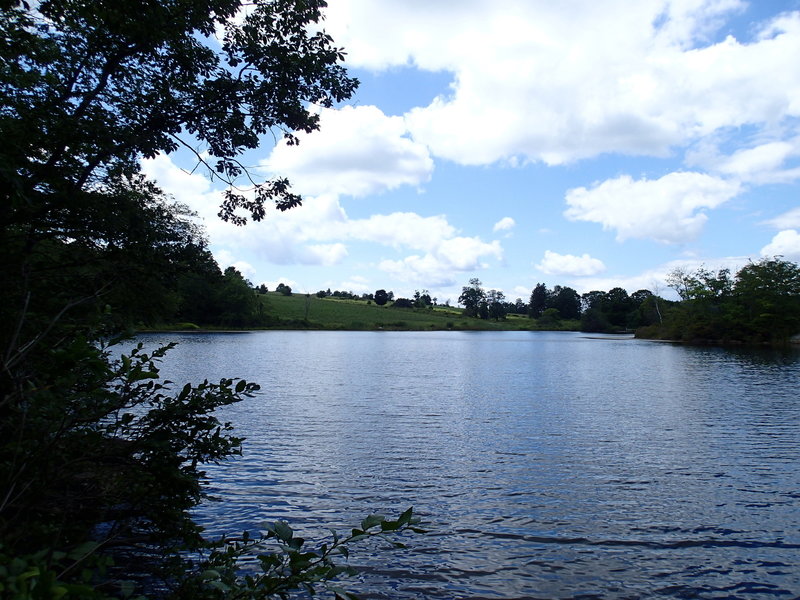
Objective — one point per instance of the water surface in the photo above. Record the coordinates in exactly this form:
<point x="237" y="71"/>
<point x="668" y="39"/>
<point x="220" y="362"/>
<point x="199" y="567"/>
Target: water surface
<point x="545" y="465"/>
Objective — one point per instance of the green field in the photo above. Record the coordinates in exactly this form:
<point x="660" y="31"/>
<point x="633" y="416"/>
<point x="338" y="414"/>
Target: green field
<point x="299" y="311"/>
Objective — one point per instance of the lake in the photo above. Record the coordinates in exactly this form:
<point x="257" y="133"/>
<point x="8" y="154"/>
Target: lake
<point x="544" y="465"/>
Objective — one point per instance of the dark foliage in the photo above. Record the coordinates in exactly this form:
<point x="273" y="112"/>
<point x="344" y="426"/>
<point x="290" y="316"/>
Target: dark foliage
<point x="381" y="297"/>
<point x="403" y="303"/>
<point x="759" y="305"/>
<point x="99" y="459"/>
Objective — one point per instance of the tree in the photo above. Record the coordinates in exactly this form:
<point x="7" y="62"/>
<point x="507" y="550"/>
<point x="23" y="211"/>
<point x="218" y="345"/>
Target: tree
<point x="422" y="299"/>
<point x="471" y="297"/>
<point x="683" y="282"/>
<point x="496" y="305"/>
<point x="769" y="294"/>
<point x="549" y="317"/>
<point x="237" y="299"/>
<point x="403" y="303"/>
<point x="566" y="301"/>
<point x="92" y="88"/>
<point x="538" y="301"/>
<point x="760" y="305"/>
<point x="284" y="289"/>
<point x="381" y="297"/>
<point x="617" y="307"/>
<point x="595" y="320"/>
<point x="593" y="299"/>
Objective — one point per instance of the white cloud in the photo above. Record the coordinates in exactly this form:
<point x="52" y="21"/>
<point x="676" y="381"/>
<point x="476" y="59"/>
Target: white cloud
<point x="764" y="163"/>
<point x="669" y="209"/>
<point x="439" y="268"/>
<point x="785" y="243"/>
<point x="787" y="220"/>
<point x="504" y="224"/>
<point x="326" y="254"/>
<point x="357" y="151"/>
<point x="192" y="189"/>
<point x="561" y="81"/>
<point x="225" y="259"/>
<point x="655" y="279"/>
<point x="522" y="292"/>
<point x="464" y="253"/>
<point x="400" y="229"/>
<point x="315" y="233"/>
<point x="568" y="264"/>
<point x="357" y="284"/>
<point x="273" y="283"/>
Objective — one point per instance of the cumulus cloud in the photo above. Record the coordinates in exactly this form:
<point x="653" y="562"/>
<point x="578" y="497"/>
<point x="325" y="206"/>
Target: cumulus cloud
<point x="400" y="229"/>
<point x="568" y="264"/>
<point x="326" y="254"/>
<point x="504" y="224"/>
<point x="542" y="81"/>
<point x="787" y="220"/>
<point x="441" y="266"/>
<point x="317" y="232"/>
<point x="357" y="151"/>
<point x="785" y="243"/>
<point x="669" y="209"/>
<point x="768" y="162"/>
<point x="763" y="163"/>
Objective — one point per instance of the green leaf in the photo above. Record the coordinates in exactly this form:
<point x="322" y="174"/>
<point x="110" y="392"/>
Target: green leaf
<point x="405" y="518"/>
<point x="240" y="386"/>
<point x="372" y="521"/>
<point x="209" y="574"/>
<point x="335" y="535"/>
<point x="390" y="525"/>
<point x="218" y="585"/>
<point x="32" y="572"/>
<point x="280" y="529"/>
<point x="83" y="550"/>
<point x="126" y="588"/>
<point x="57" y="591"/>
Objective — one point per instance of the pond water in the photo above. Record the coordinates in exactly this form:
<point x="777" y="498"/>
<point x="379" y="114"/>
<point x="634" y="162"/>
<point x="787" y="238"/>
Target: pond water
<point x="544" y="465"/>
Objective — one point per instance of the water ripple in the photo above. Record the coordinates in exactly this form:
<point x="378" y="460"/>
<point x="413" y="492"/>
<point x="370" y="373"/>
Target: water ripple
<point x="544" y="465"/>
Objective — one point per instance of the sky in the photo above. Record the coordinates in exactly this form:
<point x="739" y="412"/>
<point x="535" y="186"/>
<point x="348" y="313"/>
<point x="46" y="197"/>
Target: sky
<point x="582" y="143"/>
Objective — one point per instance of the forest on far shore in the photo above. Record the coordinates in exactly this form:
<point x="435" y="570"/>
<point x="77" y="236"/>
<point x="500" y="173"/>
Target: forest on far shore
<point x="759" y="304"/>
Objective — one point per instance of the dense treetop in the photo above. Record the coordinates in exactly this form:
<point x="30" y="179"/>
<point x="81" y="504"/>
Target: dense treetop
<point x="90" y="88"/>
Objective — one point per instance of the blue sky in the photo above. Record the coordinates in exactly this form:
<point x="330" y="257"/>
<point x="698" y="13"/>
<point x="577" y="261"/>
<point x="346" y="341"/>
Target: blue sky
<point x="585" y="143"/>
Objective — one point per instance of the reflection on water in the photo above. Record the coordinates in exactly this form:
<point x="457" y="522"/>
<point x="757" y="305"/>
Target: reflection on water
<point x="545" y="465"/>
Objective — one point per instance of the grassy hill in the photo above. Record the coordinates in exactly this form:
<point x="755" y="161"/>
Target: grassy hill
<point x="299" y="311"/>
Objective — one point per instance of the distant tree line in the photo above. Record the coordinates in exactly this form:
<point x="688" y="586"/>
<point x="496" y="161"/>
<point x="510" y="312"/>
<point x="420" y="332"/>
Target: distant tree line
<point x="597" y="311"/>
<point x="421" y="299"/>
<point x="759" y="304"/>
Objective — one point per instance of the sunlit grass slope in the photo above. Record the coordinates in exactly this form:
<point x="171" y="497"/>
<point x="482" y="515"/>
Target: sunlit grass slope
<point x="310" y="312"/>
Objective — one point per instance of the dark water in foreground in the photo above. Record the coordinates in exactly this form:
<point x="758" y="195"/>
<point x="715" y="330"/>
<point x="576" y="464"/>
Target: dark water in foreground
<point x="544" y="465"/>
